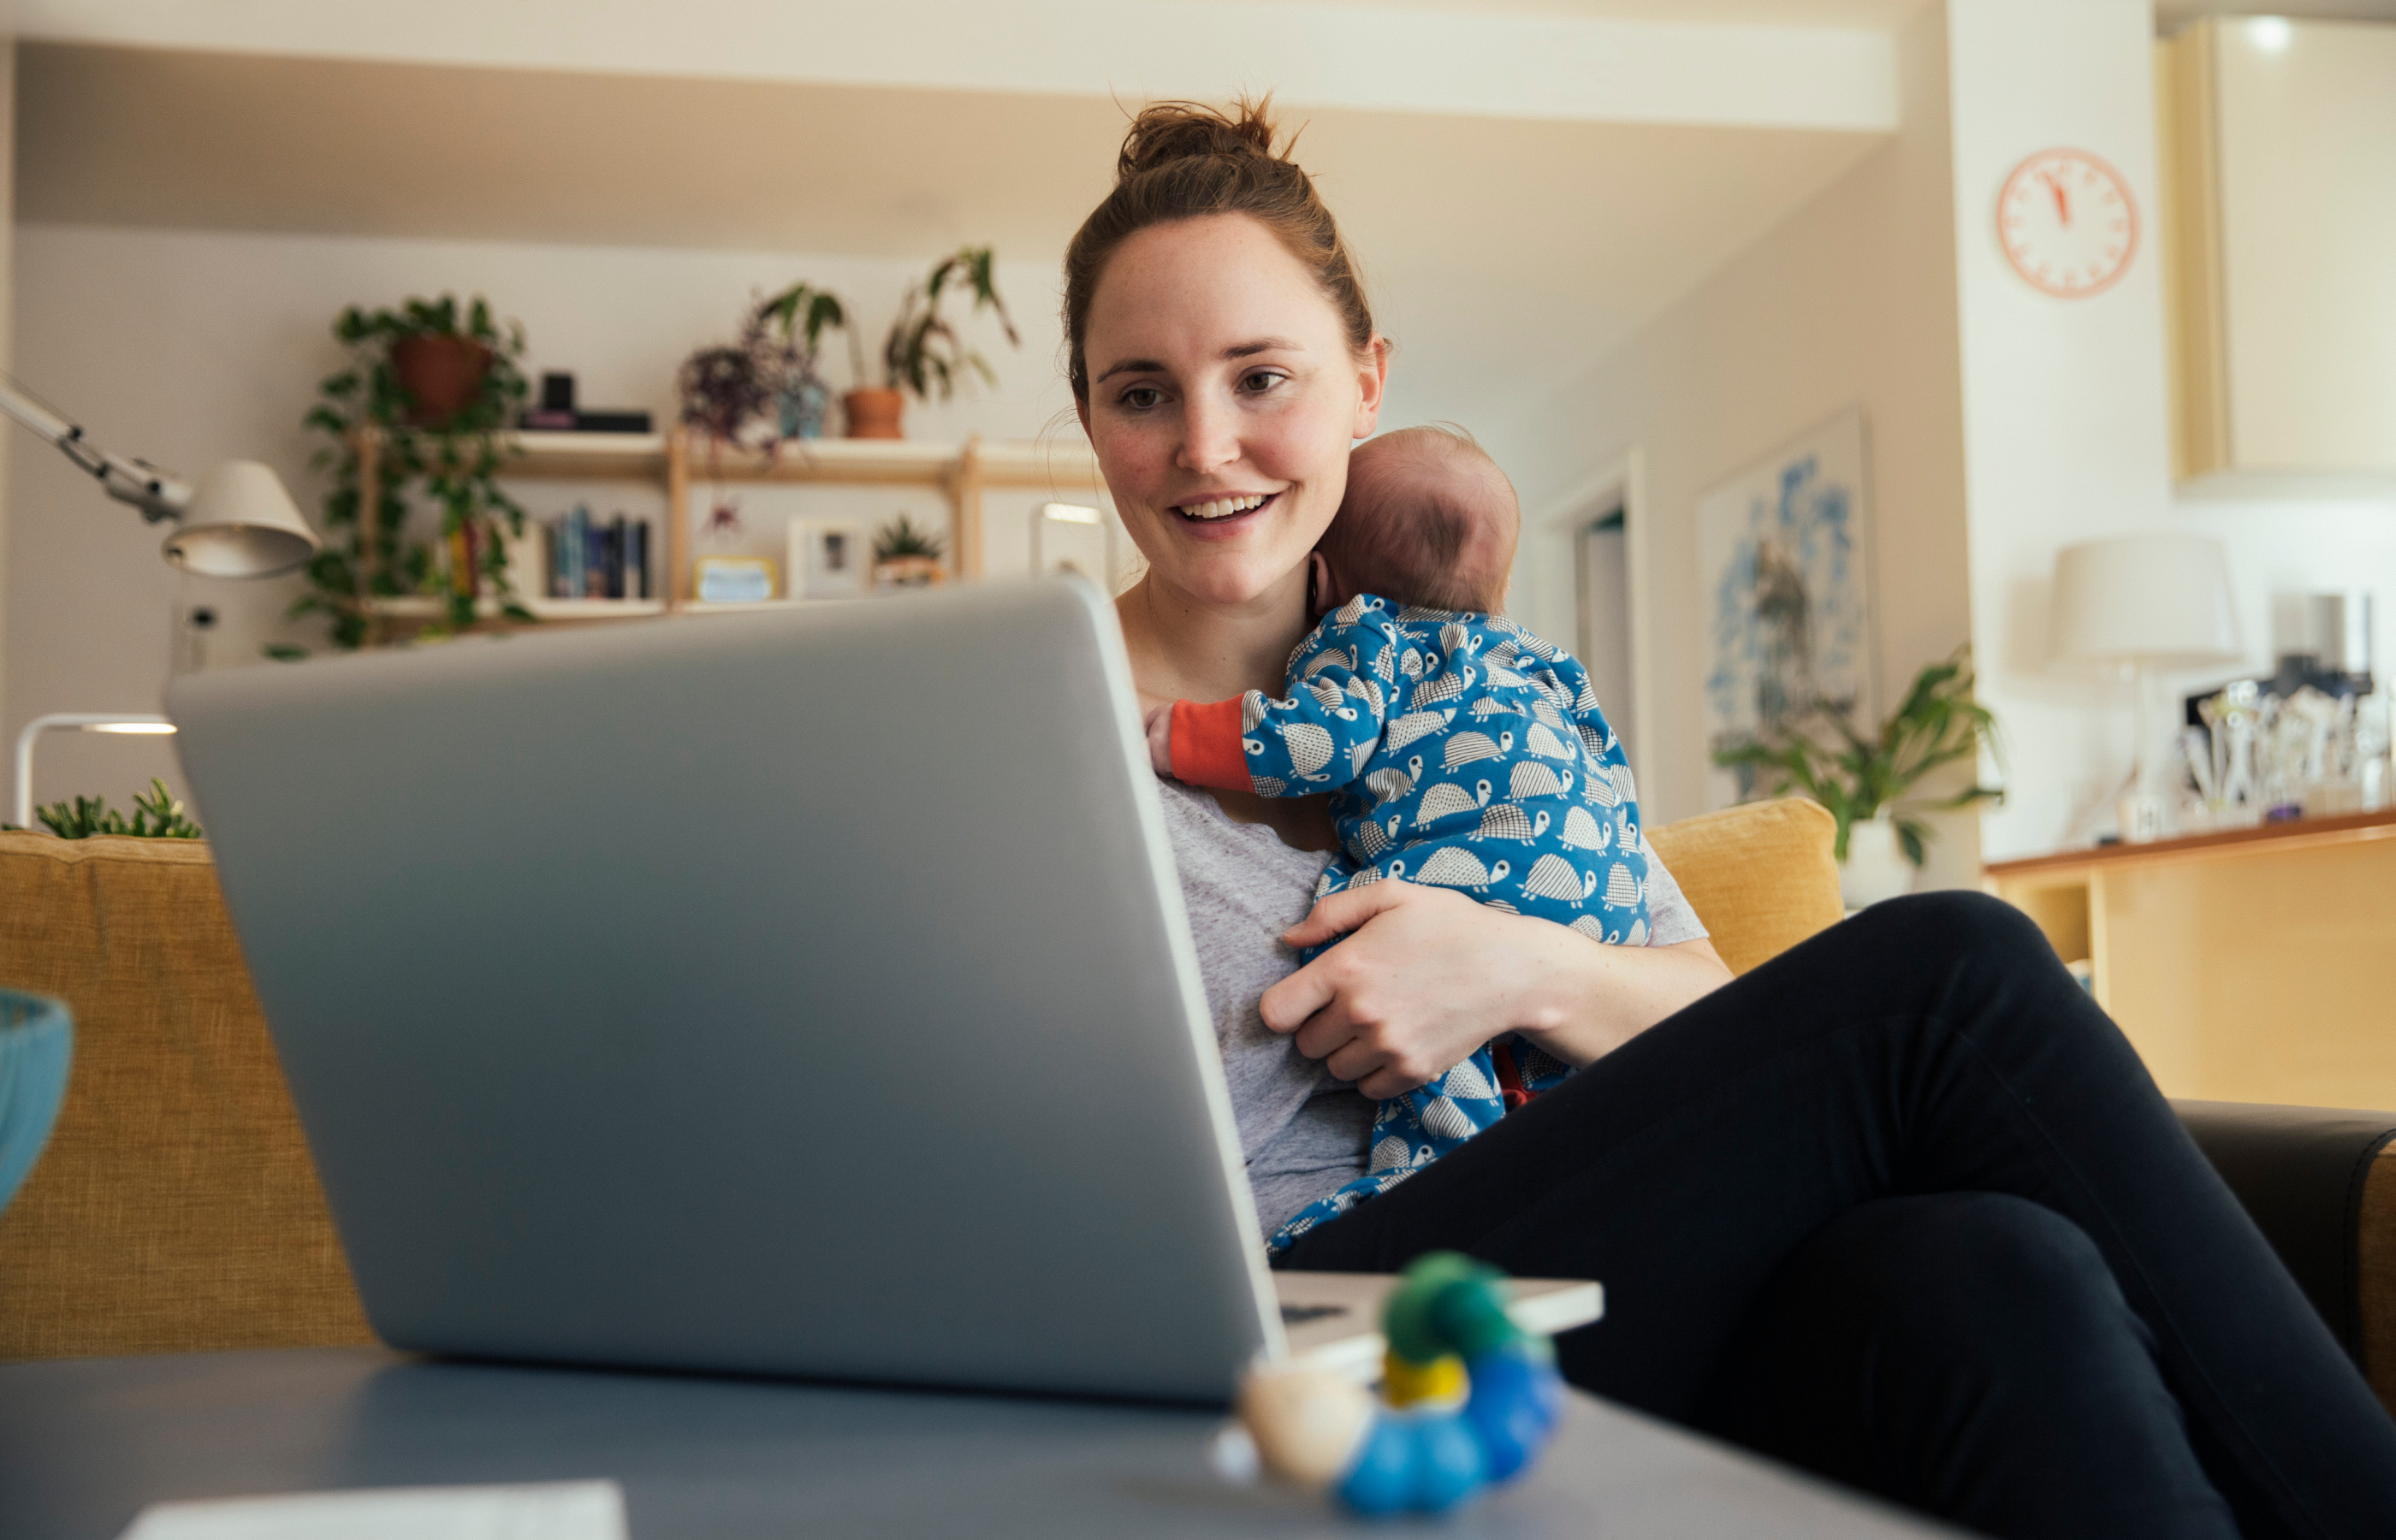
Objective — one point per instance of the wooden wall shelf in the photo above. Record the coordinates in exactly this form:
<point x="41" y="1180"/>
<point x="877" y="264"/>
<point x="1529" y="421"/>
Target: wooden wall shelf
<point x="961" y="473"/>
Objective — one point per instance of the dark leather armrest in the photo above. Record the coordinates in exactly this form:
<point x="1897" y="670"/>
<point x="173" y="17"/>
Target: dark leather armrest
<point x="2314" y="1181"/>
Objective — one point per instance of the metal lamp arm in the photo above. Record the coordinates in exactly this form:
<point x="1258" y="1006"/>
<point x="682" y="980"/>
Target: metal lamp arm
<point x="158" y="494"/>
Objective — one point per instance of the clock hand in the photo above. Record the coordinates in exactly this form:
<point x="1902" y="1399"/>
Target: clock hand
<point x="2062" y="197"/>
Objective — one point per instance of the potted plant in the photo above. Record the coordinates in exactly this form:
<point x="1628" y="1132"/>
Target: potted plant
<point x="157" y="815"/>
<point x="923" y="353"/>
<point x="733" y="391"/>
<point x="905" y="556"/>
<point x="803" y="313"/>
<point x="437" y="382"/>
<point x="1861" y="779"/>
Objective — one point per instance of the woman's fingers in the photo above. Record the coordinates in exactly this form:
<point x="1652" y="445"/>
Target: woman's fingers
<point x="1406" y="995"/>
<point x="1346" y="911"/>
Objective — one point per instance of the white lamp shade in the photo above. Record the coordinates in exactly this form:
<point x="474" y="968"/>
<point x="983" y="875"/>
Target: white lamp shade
<point x="240" y="524"/>
<point x="2158" y="600"/>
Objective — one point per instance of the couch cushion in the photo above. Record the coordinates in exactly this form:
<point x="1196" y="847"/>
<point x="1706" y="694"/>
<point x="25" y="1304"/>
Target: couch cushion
<point x="176" y="1207"/>
<point x="1760" y="875"/>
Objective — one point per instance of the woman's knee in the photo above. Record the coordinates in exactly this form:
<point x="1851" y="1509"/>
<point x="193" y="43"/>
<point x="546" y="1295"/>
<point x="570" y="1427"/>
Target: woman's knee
<point x="1956" y="924"/>
<point x="1936" y="1262"/>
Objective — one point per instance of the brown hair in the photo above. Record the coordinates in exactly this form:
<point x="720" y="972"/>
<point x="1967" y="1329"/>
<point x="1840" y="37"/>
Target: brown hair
<point x="1184" y="160"/>
<point x="1431" y="519"/>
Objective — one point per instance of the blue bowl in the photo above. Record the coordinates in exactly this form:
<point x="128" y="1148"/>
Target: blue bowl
<point x="36" y="1039"/>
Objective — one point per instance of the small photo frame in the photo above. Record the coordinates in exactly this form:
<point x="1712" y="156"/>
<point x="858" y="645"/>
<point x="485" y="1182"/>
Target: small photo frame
<point x="734" y="580"/>
<point x="829" y="559"/>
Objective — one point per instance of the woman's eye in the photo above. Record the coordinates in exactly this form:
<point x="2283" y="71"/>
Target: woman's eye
<point x="1259" y="380"/>
<point x="1139" y="398"/>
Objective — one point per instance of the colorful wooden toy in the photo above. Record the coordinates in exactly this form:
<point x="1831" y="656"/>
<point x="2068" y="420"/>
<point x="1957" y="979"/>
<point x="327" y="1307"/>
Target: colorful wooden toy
<point x="1468" y="1400"/>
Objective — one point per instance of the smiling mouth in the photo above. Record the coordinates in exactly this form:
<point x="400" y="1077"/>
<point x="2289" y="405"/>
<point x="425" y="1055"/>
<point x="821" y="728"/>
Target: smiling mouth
<point x="1225" y="507"/>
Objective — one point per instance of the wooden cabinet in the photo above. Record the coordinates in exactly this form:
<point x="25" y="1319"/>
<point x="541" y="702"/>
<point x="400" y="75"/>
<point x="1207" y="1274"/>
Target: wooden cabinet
<point x="2257" y="965"/>
<point x="2278" y="148"/>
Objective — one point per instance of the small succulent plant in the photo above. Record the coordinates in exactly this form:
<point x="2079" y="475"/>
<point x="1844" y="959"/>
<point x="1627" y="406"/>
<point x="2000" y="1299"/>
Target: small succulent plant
<point x="157" y="815"/>
<point x="900" y="539"/>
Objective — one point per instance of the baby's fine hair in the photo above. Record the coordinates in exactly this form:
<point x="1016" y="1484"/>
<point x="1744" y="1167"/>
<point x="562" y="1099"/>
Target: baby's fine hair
<point x="1429" y="519"/>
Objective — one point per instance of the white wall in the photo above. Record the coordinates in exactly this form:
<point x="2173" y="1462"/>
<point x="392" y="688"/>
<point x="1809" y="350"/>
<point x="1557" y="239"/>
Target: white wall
<point x="2067" y="431"/>
<point x="1853" y="300"/>
<point x="189" y="348"/>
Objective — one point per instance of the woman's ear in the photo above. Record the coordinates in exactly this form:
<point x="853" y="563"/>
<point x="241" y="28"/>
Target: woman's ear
<point x="1372" y="379"/>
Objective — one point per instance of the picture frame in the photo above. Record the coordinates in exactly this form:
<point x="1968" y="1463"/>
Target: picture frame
<point x="1784" y="564"/>
<point x="829" y="559"/>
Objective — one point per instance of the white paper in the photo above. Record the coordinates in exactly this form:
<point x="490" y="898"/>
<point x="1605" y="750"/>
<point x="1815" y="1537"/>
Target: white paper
<point x="555" y="1510"/>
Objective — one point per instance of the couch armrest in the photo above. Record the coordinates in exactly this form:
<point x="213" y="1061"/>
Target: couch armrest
<point x="2321" y="1184"/>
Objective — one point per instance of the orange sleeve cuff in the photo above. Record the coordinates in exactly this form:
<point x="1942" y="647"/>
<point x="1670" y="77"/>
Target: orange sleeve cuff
<point x="1207" y="746"/>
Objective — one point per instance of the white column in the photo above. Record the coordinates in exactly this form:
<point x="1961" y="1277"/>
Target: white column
<point x="2066" y="433"/>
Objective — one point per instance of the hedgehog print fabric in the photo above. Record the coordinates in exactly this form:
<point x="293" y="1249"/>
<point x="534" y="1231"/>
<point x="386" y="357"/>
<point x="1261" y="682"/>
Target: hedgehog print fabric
<point x="1461" y="751"/>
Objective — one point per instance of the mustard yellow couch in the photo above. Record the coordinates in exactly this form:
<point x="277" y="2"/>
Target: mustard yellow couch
<point x="177" y="1209"/>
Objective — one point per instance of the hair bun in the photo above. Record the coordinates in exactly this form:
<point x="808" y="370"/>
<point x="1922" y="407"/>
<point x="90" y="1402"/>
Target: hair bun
<point x="1168" y="131"/>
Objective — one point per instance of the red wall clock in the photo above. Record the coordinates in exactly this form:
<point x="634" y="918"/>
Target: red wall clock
<point x="2068" y="222"/>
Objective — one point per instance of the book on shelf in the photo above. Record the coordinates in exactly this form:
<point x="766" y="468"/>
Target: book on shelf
<point x="588" y="559"/>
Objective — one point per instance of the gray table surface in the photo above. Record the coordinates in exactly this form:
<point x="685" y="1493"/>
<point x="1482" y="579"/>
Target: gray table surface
<point x="85" y="1444"/>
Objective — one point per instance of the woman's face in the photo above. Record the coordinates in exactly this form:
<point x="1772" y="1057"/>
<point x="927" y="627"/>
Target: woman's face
<point x="1223" y="398"/>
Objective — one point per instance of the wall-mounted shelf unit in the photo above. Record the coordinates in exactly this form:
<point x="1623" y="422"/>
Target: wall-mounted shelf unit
<point x="961" y="473"/>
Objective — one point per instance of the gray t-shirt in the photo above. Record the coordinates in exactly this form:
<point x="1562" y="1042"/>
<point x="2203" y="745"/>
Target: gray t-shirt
<point x="1302" y="1131"/>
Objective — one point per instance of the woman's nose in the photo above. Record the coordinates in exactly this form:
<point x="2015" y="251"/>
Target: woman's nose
<point x="1210" y="439"/>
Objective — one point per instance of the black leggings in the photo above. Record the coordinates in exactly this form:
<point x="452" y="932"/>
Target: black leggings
<point x="1902" y="1206"/>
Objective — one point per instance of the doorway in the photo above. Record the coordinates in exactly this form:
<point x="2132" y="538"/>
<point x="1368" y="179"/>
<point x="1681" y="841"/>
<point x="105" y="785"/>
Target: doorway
<point x="1601" y="608"/>
<point x="1582" y="582"/>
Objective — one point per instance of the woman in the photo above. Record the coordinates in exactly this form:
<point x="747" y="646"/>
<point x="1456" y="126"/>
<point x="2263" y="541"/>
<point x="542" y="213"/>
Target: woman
<point x="1901" y="1206"/>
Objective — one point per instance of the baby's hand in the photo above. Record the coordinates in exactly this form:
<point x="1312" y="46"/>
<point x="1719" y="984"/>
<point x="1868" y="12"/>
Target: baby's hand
<point x="1160" y="739"/>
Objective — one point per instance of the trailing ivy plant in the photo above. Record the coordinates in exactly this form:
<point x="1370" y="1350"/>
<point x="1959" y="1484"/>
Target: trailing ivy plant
<point x="453" y="464"/>
<point x="1855" y="775"/>
<point x="157" y="815"/>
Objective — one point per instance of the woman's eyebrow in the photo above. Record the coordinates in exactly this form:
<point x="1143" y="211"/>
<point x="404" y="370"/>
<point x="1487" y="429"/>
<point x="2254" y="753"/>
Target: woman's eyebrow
<point x="1237" y="350"/>
<point x="1132" y="366"/>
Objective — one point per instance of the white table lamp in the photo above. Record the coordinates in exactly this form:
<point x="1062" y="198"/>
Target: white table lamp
<point x="2143" y="604"/>
<point x="239" y="523"/>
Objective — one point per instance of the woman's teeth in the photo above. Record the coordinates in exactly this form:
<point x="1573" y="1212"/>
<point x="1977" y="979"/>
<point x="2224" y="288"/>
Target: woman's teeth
<point x="1221" y="508"/>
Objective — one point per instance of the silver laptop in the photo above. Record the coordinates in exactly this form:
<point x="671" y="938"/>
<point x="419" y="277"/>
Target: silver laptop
<point x="804" y="993"/>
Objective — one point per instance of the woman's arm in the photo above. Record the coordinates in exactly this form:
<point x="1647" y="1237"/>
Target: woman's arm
<point x="1427" y="975"/>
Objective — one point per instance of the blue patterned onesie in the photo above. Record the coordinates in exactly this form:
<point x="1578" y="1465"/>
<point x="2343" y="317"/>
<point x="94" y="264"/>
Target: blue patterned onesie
<point x="1461" y="751"/>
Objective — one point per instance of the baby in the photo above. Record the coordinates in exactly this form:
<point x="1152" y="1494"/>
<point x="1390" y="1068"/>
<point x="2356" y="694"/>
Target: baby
<point x="1459" y="750"/>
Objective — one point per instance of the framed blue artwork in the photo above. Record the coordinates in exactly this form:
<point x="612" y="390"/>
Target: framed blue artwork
<point x="1784" y="558"/>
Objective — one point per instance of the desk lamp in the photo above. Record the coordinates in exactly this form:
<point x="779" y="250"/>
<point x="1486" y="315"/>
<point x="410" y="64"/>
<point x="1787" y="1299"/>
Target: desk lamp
<point x="2139" y="605"/>
<point x="238" y="523"/>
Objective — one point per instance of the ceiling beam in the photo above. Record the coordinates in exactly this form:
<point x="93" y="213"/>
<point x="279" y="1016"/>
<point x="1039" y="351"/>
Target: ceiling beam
<point x="1371" y="57"/>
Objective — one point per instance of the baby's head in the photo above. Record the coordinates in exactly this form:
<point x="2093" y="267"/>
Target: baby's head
<point x="1429" y="520"/>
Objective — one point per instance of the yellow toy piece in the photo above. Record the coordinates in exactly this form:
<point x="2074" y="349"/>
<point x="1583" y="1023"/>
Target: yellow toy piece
<point x="1409" y="1383"/>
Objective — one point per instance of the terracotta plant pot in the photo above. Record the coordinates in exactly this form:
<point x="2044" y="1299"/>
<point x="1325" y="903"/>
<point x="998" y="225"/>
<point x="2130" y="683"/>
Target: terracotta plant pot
<point x="873" y="414"/>
<point x="906" y="572"/>
<point x="441" y="375"/>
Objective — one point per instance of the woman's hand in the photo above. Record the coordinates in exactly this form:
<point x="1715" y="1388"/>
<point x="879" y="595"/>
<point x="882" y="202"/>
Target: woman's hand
<point x="1427" y="975"/>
